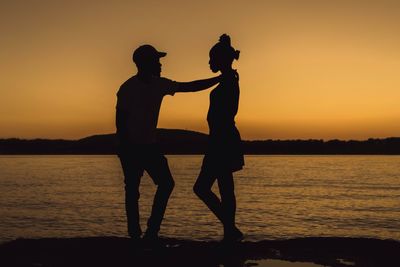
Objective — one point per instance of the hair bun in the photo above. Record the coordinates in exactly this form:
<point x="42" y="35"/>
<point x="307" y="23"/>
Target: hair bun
<point x="225" y="39"/>
<point x="236" y="54"/>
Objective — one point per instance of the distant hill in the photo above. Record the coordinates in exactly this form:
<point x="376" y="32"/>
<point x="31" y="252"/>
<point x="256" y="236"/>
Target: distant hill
<point x="174" y="141"/>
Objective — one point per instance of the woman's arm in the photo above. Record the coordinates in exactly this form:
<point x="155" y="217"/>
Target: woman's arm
<point x="198" y="85"/>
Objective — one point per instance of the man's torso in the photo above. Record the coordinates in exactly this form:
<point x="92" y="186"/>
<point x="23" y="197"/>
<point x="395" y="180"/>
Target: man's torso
<point x="142" y="101"/>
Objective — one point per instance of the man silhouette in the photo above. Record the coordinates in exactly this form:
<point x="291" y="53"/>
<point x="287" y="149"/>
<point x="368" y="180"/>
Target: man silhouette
<point x="138" y="105"/>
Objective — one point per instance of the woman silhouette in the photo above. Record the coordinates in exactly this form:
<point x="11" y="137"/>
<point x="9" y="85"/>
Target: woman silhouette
<point x="224" y="154"/>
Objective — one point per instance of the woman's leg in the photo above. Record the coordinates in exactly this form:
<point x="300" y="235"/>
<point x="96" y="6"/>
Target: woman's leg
<point x="228" y="199"/>
<point x="228" y="203"/>
<point x="202" y="188"/>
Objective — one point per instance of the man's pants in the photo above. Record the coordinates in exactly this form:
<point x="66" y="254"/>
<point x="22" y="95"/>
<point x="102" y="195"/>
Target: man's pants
<point x="134" y="162"/>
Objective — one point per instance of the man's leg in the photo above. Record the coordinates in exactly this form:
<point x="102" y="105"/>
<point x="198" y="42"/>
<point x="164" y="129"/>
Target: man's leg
<point x="158" y="169"/>
<point x="133" y="175"/>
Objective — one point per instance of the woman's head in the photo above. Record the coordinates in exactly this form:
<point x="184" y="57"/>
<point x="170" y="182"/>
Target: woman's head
<point x="222" y="54"/>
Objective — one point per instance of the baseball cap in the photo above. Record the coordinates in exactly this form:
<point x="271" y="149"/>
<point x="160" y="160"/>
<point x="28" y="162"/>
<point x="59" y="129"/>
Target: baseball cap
<point x="145" y="53"/>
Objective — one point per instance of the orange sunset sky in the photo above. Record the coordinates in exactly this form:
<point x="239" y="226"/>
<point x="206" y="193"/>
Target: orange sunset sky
<point x="308" y="69"/>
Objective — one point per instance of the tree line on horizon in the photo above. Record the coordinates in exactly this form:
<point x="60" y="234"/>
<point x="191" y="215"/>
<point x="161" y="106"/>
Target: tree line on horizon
<point x="188" y="142"/>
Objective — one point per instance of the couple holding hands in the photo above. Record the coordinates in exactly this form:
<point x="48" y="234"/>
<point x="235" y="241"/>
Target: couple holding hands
<point x="138" y="105"/>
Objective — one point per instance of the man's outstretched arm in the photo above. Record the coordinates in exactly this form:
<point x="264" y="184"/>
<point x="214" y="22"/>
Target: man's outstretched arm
<point x="198" y="85"/>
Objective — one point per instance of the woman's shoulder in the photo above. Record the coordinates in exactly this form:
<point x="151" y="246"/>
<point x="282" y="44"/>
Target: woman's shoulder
<point x="231" y="78"/>
<point x="233" y="74"/>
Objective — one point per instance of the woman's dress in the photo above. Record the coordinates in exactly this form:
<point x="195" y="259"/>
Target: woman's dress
<point x="224" y="152"/>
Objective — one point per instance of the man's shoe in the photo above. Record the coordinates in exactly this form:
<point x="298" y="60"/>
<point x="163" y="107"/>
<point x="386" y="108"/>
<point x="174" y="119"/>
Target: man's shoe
<point x="135" y="236"/>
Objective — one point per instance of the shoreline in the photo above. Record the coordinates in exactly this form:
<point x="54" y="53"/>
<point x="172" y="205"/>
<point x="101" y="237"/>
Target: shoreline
<point x="119" y="251"/>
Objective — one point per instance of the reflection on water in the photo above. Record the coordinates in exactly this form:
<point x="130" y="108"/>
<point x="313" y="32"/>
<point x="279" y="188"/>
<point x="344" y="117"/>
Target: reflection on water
<point x="279" y="263"/>
<point x="278" y="197"/>
<point x="346" y="262"/>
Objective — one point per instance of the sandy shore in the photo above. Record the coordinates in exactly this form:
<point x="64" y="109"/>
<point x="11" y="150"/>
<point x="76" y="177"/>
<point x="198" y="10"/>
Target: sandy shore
<point x="118" y="251"/>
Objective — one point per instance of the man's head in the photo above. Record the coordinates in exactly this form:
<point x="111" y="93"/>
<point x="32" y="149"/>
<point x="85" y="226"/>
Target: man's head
<point x="147" y="59"/>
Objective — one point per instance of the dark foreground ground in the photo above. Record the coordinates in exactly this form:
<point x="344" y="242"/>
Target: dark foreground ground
<point x="117" y="251"/>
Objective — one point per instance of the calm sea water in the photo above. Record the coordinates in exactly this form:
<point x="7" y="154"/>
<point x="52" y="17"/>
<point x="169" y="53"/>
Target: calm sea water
<point x="278" y="197"/>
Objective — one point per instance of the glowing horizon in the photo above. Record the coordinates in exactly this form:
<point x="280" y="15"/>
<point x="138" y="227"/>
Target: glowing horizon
<point x="307" y="71"/>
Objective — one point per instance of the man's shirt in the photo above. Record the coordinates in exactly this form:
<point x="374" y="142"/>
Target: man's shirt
<point x="142" y="101"/>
